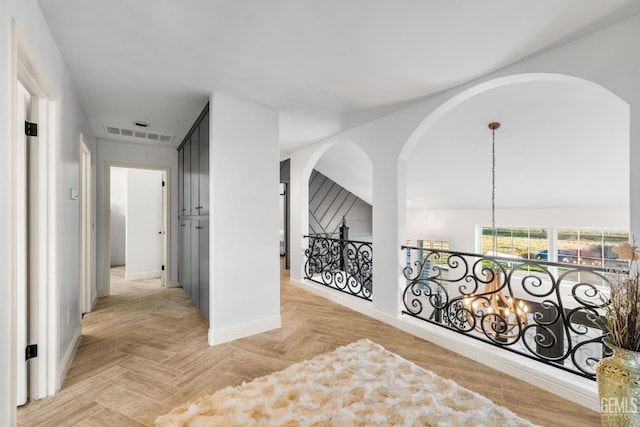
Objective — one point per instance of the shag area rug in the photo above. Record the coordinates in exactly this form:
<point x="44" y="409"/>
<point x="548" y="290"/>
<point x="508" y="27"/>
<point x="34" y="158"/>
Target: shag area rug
<point x="360" y="384"/>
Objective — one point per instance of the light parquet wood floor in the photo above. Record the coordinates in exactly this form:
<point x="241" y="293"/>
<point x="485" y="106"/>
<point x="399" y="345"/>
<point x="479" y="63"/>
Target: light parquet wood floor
<point x="144" y="351"/>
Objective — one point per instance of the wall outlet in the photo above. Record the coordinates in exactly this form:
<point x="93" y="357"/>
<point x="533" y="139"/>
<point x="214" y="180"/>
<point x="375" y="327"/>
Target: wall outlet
<point x="68" y="316"/>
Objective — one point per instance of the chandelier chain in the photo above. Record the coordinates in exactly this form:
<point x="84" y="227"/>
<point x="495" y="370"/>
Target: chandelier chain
<point x="494" y="231"/>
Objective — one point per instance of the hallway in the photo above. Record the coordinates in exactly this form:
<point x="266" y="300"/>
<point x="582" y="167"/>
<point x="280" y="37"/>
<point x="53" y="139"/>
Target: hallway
<point x="144" y="351"/>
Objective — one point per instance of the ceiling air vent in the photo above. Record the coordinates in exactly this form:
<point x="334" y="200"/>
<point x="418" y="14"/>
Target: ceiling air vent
<point x="136" y="134"/>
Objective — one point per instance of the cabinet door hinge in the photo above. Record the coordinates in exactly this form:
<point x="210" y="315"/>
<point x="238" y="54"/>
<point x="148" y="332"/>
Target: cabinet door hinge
<point x="31" y="351"/>
<point x="31" y="129"/>
<point x="163" y="184"/>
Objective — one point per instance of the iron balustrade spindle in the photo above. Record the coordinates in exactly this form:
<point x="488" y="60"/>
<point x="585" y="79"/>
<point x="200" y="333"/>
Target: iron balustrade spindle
<point x="546" y="311"/>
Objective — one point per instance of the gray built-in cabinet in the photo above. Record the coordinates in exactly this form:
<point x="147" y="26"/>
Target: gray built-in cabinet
<point x="193" y="213"/>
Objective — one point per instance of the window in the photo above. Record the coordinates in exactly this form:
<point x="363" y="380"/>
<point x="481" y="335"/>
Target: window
<point x="573" y="246"/>
<point x="587" y="247"/>
<point x="525" y="243"/>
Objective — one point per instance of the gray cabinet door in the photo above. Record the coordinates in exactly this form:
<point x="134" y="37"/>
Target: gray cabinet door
<point x="184" y="266"/>
<point x="203" y="154"/>
<point x="194" y="263"/>
<point x="186" y="209"/>
<point x="203" y="256"/>
<point x="181" y="181"/>
<point x="195" y="173"/>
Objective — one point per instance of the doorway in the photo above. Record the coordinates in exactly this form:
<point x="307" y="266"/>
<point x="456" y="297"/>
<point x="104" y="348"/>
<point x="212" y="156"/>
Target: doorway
<point x="136" y="223"/>
<point x="284" y="224"/>
<point x="87" y="288"/>
<point x="31" y="239"/>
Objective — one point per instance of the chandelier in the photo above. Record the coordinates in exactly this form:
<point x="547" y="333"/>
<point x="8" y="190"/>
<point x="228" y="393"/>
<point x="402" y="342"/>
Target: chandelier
<point x="501" y="317"/>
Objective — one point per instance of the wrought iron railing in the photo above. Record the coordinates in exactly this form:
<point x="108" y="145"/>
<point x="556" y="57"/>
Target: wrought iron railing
<point x="344" y="265"/>
<point x="546" y="311"/>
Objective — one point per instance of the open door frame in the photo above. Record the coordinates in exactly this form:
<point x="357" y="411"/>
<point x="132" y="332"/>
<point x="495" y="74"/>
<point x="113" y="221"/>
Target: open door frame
<point x="106" y="244"/>
<point x="88" y="292"/>
<point x="44" y="377"/>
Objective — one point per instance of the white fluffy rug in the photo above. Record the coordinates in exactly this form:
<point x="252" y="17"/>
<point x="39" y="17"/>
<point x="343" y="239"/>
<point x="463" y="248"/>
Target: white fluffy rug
<point x="360" y="384"/>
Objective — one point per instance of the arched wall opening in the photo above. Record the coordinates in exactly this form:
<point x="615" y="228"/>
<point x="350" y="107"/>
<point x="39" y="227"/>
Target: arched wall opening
<point x="562" y="161"/>
<point x="334" y="200"/>
<point x="340" y="185"/>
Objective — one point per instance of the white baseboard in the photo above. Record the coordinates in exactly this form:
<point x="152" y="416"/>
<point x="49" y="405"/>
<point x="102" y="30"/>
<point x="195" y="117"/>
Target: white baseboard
<point x="248" y="329"/>
<point x="173" y="284"/>
<point x="564" y="384"/>
<point x="65" y="363"/>
<point x="143" y="275"/>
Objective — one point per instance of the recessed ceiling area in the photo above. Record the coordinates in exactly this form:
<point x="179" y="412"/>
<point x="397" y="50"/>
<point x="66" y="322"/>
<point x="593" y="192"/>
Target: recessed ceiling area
<point x="326" y="66"/>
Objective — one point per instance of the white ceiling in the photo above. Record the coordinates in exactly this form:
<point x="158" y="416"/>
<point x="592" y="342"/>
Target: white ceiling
<point x="325" y="65"/>
<point x="560" y="145"/>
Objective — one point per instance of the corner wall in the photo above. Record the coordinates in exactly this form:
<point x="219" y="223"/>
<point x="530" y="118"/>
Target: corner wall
<point x="118" y="210"/>
<point x="244" y="240"/>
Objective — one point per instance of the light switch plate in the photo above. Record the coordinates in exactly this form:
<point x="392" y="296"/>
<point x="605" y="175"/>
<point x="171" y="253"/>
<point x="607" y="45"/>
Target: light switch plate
<point x="74" y="194"/>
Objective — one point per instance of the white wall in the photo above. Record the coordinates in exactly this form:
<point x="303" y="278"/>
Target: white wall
<point x="389" y="138"/>
<point x="118" y="230"/>
<point x="144" y="221"/>
<point x="608" y="57"/>
<point x="459" y="226"/>
<point x="350" y="167"/>
<point x="244" y="274"/>
<point x="73" y="121"/>
<point x="136" y="154"/>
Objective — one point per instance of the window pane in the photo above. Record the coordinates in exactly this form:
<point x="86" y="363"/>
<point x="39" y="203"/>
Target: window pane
<point x="568" y="246"/>
<point x="538" y="243"/>
<point x="590" y="248"/>
<point x="441" y="244"/>
<point x="610" y="258"/>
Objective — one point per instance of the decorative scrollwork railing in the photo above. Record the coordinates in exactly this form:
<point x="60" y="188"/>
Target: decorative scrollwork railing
<point x="344" y="265"/>
<point x="543" y="310"/>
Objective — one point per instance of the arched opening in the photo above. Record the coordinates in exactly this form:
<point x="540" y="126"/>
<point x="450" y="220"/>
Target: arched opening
<point x="339" y="254"/>
<point x="514" y="252"/>
<point x="562" y="161"/>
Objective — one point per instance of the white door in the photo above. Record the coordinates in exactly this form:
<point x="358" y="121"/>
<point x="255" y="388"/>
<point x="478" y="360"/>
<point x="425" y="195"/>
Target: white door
<point x="145" y="224"/>
<point x="23" y="101"/>
<point x="28" y="252"/>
